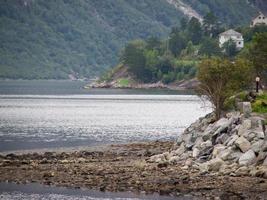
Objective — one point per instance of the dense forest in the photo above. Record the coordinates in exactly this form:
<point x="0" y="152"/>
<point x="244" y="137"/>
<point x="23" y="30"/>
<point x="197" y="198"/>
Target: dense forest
<point x="43" y="39"/>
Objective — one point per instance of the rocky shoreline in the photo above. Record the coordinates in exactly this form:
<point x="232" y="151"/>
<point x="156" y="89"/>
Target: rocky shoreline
<point x="182" y="85"/>
<point x="128" y="167"/>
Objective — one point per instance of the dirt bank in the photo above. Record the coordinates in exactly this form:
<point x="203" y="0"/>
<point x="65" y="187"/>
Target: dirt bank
<point x="124" y="168"/>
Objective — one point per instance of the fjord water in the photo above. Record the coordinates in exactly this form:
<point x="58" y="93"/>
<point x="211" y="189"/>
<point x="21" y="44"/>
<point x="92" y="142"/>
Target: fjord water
<point x="52" y="114"/>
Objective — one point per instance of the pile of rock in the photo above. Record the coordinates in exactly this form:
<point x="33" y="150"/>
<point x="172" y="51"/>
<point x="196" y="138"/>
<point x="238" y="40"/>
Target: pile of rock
<point x="234" y="145"/>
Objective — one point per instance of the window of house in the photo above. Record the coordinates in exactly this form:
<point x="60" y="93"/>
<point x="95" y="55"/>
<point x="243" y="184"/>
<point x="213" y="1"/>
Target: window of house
<point x="259" y="17"/>
<point x="239" y="42"/>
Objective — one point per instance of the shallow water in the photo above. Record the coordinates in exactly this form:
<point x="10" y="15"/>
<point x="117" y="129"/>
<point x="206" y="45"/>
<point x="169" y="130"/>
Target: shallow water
<point x="11" y="191"/>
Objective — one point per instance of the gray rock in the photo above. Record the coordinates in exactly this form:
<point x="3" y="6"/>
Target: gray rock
<point x="231" y="140"/>
<point x="179" y="151"/>
<point x="243" y="144"/>
<point x="264" y="146"/>
<point x="257" y="122"/>
<point x="224" y="155"/>
<point x="195" y="152"/>
<point x="251" y="136"/>
<point x="217" y="150"/>
<point x="215" y="164"/>
<point x="222" y="139"/>
<point x="265" y="162"/>
<point x="247" y="109"/>
<point x="205" y="145"/>
<point x="247" y="123"/>
<point x="243" y="131"/>
<point x="235" y="155"/>
<point x="257" y="146"/>
<point x="247" y="158"/>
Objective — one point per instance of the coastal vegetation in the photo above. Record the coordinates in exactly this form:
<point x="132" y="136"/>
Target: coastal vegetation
<point x="177" y="57"/>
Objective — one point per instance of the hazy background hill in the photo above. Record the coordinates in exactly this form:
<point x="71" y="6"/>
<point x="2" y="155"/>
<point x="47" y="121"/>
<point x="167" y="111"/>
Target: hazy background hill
<point x="55" y="38"/>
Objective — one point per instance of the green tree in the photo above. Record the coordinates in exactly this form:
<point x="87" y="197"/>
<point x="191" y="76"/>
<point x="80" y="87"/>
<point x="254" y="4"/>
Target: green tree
<point x="258" y="54"/>
<point x="210" y="25"/>
<point x="134" y="58"/>
<point x="221" y="78"/>
<point x="194" y="30"/>
<point x="209" y="47"/>
<point x="176" y="43"/>
<point x="183" y="23"/>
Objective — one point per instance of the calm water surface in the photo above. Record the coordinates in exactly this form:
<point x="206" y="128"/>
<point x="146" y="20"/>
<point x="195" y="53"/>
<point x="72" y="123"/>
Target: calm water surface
<point x="33" y="116"/>
<point x="51" y="114"/>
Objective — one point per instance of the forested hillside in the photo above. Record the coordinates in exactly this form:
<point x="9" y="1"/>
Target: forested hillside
<point x="55" y="38"/>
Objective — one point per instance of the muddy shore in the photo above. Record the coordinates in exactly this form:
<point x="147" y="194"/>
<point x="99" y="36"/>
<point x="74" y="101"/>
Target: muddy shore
<point x="124" y="168"/>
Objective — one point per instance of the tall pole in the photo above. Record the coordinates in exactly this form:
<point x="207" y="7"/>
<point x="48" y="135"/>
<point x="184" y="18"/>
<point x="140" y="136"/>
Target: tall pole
<point x="257" y="84"/>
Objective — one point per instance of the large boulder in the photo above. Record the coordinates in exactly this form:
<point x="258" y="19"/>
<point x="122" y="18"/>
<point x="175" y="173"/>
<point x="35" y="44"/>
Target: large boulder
<point x="215" y="164"/>
<point x="257" y="146"/>
<point x="243" y="144"/>
<point x="247" y="158"/>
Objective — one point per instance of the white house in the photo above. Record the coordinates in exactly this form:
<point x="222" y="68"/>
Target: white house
<point x="233" y="35"/>
<point x="260" y="19"/>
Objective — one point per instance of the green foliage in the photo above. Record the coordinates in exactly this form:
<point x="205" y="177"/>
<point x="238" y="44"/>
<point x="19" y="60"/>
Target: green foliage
<point x="194" y="30"/>
<point x="210" y="47"/>
<point x="221" y="79"/>
<point x="123" y="82"/>
<point x="260" y="105"/>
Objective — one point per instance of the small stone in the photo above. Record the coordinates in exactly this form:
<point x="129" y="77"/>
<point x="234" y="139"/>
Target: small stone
<point x="243" y="144"/>
<point x="247" y="158"/>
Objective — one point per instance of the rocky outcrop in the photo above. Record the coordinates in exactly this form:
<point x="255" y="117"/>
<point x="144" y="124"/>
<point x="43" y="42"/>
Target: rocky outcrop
<point x="234" y="145"/>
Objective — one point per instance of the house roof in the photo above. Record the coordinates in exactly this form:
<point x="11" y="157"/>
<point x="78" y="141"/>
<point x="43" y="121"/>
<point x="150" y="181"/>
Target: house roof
<point x="260" y="14"/>
<point x="230" y="32"/>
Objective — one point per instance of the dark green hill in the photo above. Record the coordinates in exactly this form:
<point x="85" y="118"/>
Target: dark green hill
<point x="55" y="38"/>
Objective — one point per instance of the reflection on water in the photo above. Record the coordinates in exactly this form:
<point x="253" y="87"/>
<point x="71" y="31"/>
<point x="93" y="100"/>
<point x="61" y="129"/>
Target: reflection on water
<point x="11" y="191"/>
<point x="35" y="121"/>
